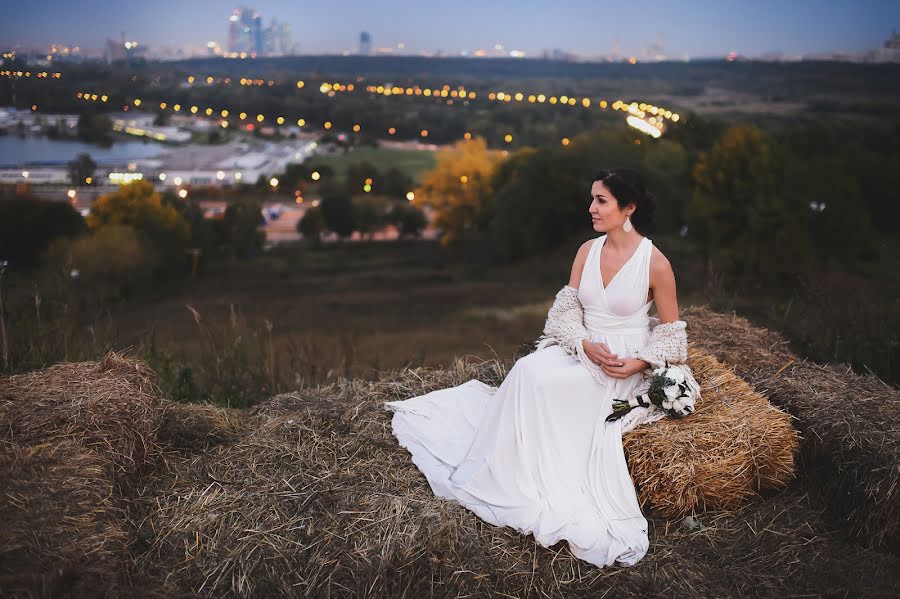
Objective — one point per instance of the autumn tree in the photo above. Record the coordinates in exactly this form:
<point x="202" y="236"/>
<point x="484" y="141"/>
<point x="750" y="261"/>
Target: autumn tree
<point x="139" y="206"/>
<point x="459" y="187"/>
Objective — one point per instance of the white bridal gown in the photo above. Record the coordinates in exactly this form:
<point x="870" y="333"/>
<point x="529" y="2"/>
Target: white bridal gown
<point x="537" y="454"/>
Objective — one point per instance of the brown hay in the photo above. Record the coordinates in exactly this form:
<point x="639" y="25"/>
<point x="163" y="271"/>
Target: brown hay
<point x="110" y="407"/>
<point x="735" y="445"/>
<point x="319" y="500"/>
<point x="850" y="423"/>
<point x="61" y="532"/>
<point x="195" y="427"/>
<point x="310" y="495"/>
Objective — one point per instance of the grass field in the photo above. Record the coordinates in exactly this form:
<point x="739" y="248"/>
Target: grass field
<point x="296" y="316"/>
<point x="411" y="162"/>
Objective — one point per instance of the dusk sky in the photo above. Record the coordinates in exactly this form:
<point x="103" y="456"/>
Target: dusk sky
<point x="693" y="28"/>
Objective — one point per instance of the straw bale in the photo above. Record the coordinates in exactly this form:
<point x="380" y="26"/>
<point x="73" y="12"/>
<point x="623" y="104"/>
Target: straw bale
<point x="735" y="445"/>
<point x="110" y="406"/>
<point x="61" y="532"/>
<point x="196" y="427"/>
<point x="850" y="423"/>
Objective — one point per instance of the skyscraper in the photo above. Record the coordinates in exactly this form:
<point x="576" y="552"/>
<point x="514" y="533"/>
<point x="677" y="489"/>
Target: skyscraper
<point x="365" y="43"/>
<point x="245" y="32"/>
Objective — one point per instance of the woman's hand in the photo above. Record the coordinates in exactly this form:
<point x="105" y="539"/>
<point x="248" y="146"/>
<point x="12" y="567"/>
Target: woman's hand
<point x="629" y="366"/>
<point x="599" y="353"/>
<point x="616" y="367"/>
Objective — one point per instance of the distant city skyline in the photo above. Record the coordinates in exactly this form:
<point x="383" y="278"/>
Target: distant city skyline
<point x="677" y="30"/>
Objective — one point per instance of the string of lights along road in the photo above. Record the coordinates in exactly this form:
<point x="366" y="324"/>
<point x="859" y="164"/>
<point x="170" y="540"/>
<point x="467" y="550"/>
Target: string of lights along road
<point x="637" y="116"/>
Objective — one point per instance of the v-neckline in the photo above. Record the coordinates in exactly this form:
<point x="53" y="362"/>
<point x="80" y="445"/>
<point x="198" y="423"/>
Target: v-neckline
<point x="627" y="262"/>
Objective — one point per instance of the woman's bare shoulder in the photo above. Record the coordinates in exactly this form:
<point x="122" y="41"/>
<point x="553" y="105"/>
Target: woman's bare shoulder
<point x="578" y="263"/>
<point x="658" y="261"/>
<point x="661" y="272"/>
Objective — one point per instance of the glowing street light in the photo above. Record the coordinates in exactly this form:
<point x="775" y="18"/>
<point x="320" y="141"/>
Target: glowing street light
<point x="273" y="182"/>
<point x="410" y="196"/>
<point x="182" y="193"/>
<point x="315" y="176"/>
<point x="71" y="193"/>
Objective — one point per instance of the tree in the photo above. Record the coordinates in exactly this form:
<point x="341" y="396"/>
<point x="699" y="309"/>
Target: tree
<point x="312" y="225"/>
<point x="369" y="213"/>
<point x="81" y="169"/>
<point x="112" y="262"/>
<point x="295" y="176"/>
<point x="738" y="215"/>
<point x="337" y="209"/>
<point x="94" y="128"/>
<point x="28" y="226"/>
<point x="357" y="175"/>
<point x="408" y="219"/>
<point x="394" y="183"/>
<point x="241" y="227"/>
<point x="138" y="205"/>
<point x="459" y="187"/>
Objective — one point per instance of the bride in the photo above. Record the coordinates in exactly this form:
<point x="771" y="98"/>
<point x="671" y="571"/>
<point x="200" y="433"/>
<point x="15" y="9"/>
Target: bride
<point x="537" y="453"/>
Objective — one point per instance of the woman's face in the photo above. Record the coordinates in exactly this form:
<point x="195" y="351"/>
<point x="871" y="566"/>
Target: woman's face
<point x="605" y="212"/>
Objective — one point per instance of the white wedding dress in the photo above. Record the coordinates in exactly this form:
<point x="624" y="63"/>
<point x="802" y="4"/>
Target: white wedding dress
<point x="537" y="454"/>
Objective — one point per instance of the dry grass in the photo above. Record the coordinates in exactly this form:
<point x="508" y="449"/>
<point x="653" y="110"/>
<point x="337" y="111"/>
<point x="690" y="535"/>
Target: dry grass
<point x="849" y="422"/>
<point x="110" y="407"/>
<point x="61" y="530"/>
<point x="310" y="495"/>
<point x="317" y="499"/>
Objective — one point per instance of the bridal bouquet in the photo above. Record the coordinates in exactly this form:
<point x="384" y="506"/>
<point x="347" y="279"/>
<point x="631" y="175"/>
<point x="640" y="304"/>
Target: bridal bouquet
<point x="672" y="389"/>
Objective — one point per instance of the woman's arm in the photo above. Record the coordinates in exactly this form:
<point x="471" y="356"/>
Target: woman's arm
<point x="662" y="282"/>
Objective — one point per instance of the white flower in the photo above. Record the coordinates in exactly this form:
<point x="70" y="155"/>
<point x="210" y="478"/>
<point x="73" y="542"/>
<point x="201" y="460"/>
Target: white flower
<point x="676" y="375"/>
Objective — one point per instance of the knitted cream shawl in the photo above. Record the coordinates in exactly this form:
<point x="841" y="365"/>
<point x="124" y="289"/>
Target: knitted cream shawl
<point x="565" y="327"/>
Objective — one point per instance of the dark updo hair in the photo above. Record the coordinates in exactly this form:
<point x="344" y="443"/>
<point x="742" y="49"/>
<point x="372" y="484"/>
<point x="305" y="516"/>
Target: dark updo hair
<point x="628" y="188"/>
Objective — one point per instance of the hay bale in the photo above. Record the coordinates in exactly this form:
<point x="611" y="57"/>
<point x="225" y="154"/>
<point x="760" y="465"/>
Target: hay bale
<point x="319" y="500"/>
<point x="195" y="427"/>
<point x="110" y="407"/>
<point x="850" y="423"/>
<point x="735" y="445"/>
<point x="61" y="531"/>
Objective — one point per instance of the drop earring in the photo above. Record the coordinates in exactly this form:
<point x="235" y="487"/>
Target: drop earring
<point x="627" y="226"/>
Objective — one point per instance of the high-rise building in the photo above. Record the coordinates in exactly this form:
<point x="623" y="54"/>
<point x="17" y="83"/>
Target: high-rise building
<point x="245" y="32"/>
<point x="365" y="43"/>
